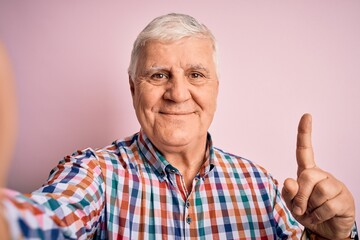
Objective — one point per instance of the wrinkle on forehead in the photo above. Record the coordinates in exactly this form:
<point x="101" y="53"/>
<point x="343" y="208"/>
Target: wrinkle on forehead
<point x="160" y="56"/>
<point x="187" y="66"/>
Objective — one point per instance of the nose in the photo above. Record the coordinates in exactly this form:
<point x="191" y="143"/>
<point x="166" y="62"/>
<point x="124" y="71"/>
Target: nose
<point x="177" y="89"/>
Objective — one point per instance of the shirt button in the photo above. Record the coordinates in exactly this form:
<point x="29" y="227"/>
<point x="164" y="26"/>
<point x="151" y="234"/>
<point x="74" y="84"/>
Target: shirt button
<point x="188" y="219"/>
<point x="187" y="204"/>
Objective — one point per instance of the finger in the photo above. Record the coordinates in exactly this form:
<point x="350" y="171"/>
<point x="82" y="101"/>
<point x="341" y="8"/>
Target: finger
<point x="329" y="209"/>
<point x="323" y="191"/>
<point x="289" y="191"/>
<point x="304" y="150"/>
<point x="307" y="182"/>
<point x="342" y="206"/>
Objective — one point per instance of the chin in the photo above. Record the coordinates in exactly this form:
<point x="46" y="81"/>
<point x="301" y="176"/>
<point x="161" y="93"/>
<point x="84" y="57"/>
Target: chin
<point x="175" y="138"/>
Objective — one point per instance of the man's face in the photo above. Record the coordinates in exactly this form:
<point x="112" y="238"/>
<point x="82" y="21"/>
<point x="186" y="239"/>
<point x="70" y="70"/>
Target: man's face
<point x="175" y="90"/>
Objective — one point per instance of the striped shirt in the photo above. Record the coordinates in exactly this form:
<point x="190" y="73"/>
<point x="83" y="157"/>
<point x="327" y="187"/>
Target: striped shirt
<point x="128" y="190"/>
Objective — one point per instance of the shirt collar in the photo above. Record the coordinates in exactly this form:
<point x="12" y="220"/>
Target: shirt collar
<point x="160" y="165"/>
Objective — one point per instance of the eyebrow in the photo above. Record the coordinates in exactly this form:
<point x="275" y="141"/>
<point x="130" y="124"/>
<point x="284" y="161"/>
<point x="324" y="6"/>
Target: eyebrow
<point x="152" y="69"/>
<point x="192" y="67"/>
<point x="198" y="67"/>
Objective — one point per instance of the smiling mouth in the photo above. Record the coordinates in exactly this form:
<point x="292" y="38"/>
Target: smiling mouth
<point x="176" y="113"/>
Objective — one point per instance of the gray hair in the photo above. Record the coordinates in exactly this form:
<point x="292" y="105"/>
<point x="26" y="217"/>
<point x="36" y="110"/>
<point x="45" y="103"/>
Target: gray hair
<point x="170" y="27"/>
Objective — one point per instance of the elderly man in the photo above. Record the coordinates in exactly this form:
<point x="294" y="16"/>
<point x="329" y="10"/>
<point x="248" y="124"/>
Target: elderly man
<point x="168" y="181"/>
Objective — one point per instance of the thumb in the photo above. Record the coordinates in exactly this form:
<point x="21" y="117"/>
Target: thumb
<point x="289" y="191"/>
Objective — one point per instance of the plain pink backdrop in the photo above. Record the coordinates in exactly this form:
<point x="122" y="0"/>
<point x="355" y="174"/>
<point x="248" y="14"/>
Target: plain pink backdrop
<point x="278" y="59"/>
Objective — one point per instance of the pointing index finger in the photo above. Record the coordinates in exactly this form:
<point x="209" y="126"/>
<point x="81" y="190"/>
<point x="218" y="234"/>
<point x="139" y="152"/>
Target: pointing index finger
<point x="304" y="149"/>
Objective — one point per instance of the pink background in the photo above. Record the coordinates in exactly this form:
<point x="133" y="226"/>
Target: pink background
<point x="278" y="59"/>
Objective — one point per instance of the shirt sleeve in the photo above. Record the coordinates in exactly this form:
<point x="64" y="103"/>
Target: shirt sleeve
<point x="286" y="225"/>
<point x="70" y="205"/>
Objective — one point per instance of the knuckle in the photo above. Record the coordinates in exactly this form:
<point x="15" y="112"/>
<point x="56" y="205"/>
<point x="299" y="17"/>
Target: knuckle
<point x="321" y="190"/>
<point x="317" y="217"/>
<point x="311" y="206"/>
<point x="323" y="213"/>
<point x="335" y="207"/>
<point x="312" y="176"/>
<point x="307" y="175"/>
<point x="301" y="199"/>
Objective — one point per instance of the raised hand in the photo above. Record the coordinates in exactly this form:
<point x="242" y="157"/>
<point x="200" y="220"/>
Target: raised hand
<point x="317" y="199"/>
<point x="7" y="115"/>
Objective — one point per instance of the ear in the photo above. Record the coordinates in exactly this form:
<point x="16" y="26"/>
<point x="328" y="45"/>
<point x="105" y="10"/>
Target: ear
<point x="132" y="88"/>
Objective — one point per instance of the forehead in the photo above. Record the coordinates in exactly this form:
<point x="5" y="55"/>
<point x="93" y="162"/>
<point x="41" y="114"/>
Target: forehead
<point x="183" y="52"/>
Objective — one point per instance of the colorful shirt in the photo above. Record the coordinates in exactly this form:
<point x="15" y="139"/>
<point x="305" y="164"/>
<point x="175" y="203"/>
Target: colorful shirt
<point x="128" y="190"/>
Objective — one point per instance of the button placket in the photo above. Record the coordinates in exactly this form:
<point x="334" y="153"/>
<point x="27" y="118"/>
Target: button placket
<point x="188" y="219"/>
<point x="186" y="211"/>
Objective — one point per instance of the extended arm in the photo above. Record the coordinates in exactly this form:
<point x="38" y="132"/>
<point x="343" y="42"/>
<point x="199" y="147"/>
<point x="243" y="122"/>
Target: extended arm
<point x="71" y="203"/>
<point x="7" y="127"/>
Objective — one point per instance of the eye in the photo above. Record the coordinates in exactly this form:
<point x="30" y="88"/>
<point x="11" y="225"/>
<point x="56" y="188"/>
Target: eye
<point x="196" y="75"/>
<point x="159" y="76"/>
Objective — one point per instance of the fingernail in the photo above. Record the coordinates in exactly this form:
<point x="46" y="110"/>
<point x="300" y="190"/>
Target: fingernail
<point x="297" y="210"/>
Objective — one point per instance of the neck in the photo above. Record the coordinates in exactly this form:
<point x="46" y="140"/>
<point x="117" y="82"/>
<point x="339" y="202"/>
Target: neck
<point x="187" y="159"/>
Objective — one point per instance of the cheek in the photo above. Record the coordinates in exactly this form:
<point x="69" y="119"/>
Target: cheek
<point x="208" y="101"/>
<point x="146" y="98"/>
<point x="214" y="97"/>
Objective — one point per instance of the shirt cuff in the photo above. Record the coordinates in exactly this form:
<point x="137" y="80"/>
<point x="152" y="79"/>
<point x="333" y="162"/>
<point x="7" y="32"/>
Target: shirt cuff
<point x="309" y="235"/>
